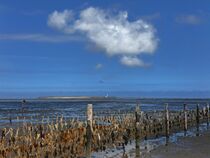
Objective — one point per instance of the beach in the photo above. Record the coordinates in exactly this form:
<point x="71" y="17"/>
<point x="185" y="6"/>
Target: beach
<point x="185" y="147"/>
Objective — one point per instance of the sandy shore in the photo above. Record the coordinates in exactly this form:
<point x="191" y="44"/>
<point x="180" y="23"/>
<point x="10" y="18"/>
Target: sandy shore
<point x="187" y="147"/>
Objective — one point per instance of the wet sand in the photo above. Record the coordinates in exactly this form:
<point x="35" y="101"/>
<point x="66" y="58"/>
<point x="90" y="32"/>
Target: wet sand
<point x="187" y="147"/>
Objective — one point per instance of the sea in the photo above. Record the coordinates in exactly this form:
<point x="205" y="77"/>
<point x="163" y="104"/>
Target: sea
<point x="39" y="110"/>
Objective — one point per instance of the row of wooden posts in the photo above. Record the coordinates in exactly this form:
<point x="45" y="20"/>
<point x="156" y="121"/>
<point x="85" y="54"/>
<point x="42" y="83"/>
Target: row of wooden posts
<point x="138" y="121"/>
<point x="101" y="131"/>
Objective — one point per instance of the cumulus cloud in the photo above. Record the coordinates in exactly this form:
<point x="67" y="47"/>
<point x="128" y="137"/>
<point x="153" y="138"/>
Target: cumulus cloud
<point x="132" y="61"/>
<point x="114" y="34"/>
<point x="60" y="20"/>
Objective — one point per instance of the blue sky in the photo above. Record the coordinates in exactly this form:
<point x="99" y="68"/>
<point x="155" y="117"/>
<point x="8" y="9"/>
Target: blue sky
<point x="42" y="57"/>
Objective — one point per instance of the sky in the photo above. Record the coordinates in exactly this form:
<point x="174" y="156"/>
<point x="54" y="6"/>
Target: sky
<point x="138" y="48"/>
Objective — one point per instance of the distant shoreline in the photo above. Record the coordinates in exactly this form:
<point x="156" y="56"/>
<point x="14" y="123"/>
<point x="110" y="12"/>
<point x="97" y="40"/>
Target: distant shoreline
<point x="92" y="99"/>
<point x="74" y="97"/>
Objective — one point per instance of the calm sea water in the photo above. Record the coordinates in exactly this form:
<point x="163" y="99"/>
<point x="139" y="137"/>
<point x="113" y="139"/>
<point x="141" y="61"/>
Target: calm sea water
<point x="36" y="110"/>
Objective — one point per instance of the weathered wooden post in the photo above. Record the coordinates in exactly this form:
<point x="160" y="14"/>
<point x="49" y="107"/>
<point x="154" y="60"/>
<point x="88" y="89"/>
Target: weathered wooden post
<point x="167" y="123"/>
<point x="185" y="119"/>
<point x="197" y="119"/>
<point x="204" y="113"/>
<point x="207" y="114"/>
<point x="89" y="130"/>
<point x="137" y="131"/>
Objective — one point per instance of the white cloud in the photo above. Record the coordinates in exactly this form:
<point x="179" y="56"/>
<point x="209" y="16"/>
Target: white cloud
<point x="132" y="61"/>
<point x="114" y="34"/>
<point x="61" y="20"/>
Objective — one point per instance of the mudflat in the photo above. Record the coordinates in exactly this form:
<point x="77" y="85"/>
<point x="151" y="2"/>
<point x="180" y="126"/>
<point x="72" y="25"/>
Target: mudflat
<point x="187" y="147"/>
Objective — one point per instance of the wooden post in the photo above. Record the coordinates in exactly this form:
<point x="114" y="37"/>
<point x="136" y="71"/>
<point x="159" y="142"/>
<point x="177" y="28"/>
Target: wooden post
<point x="89" y="130"/>
<point x="197" y="119"/>
<point x="185" y="119"/>
<point x="204" y="113"/>
<point x="207" y="114"/>
<point x="137" y="131"/>
<point x="146" y="128"/>
<point x="167" y="123"/>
